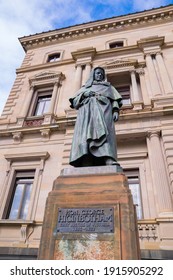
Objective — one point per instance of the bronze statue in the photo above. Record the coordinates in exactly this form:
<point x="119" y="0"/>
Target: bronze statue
<point x="94" y="141"/>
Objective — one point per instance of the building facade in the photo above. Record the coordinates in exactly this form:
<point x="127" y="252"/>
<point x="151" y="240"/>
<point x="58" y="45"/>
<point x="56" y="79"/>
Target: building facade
<point x="37" y="124"/>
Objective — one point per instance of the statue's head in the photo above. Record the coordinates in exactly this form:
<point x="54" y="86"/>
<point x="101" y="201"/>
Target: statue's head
<point x="99" y="74"/>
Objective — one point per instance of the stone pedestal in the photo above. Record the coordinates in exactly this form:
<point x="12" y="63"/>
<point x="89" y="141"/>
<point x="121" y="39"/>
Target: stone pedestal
<point x="89" y="215"/>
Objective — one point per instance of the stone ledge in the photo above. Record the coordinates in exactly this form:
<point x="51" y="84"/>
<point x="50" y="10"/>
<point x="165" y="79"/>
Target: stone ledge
<point x="91" y="170"/>
<point x="12" y="253"/>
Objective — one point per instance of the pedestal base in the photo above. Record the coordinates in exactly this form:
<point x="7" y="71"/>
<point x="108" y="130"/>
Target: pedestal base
<point x="90" y="215"/>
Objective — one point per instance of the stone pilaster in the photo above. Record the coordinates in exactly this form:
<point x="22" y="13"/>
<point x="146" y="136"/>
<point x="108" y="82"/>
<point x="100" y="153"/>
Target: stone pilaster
<point x="86" y="72"/>
<point x="82" y="57"/>
<point x="27" y="102"/>
<point x="78" y="77"/>
<point x="145" y="95"/>
<point x="158" y="170"/>
<point x="136" y="99"/>
<point x="53" y="99"/>
<point x="163" y="73"/>
<point x="152" y="75"/>
<point x="167" y="135"/>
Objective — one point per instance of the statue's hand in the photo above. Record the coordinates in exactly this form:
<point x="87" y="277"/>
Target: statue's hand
<point x="115" y="116"/>
<point x="88" y="94"/>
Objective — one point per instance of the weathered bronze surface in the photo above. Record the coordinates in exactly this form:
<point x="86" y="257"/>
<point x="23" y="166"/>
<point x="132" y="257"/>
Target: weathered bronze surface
<point x="98" y="220"/>
<point x="94" y="141"/>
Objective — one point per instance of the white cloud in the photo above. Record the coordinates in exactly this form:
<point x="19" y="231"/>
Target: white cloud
<point x="17" y="18"/>
<point x="20" y="18"/>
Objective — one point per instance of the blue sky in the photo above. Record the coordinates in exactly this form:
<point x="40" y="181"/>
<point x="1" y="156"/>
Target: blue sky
<point x="20" y="18"/>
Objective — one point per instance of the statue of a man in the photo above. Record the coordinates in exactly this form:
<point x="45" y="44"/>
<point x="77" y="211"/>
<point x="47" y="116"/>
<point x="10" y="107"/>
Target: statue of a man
<point x="98" y="104"/>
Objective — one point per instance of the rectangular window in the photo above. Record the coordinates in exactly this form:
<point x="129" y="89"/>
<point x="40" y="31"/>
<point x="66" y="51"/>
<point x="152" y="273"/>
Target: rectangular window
<point x="20" y="197"/>
<point x="134" y="185"/>
<point x="54" y="57"/>
<point x="42" y="103"/>
<point x="117" y="44"/>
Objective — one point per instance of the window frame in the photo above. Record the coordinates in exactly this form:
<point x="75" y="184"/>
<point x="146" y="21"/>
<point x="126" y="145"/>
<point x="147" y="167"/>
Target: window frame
<point x="43" y="81"/>
<point x="121" y="85"/>
<point x="18" y="175"/>
<point x="42" y="104"/>
<point x="18" y="163"/>
<point x="114" y="41"/>
<point x="49" y="60"/>
<point x="51" y="53"/>
<point x="118" y="44"/>
<point x="39" y="92"/>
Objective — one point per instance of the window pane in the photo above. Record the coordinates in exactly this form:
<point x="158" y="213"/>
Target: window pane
<point x="116" y="45"/>
<point x="42" y="105"/>
<point x="21" y="198"/>
<point x="39" y="108"/>
<point x="14" y="212"/>
<point x="25" y="202"/>
<point x="46" y="105"/>
<point x="54" y="57"/>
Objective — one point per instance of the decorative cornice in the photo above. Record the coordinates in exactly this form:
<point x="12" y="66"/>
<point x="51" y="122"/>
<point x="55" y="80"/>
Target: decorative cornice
<point x="82" y="53"/>
<point x="43" y="66"/>
<point x="28" y="156"/>
<point x="98" y="27"/>
<point x="153" y="41"/>
<point x="61" y="123"/>
<point x="124" y="65"/>
<point x="116" y="63"/>
<point x="46" y="75"/>
<point x="78" y="56"/>
<point x="8" y="131"/>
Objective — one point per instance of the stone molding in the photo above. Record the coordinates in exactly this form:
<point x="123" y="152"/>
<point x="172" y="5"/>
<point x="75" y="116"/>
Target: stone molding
<point x="116" y="63"/>
<point x="152" y="42"/>
<point x="154" y="133"/>
<point x="28" y="156"/>
<point x="55" y="77"/>
<point x="43" y="66"/>
<point x="136" y="155"/>
<point x="35" y="156"/>
<point x="23" y="228"/>
<point x="69" y="118"/>
<point x="106" y="25"/>
<point x="84" y="53"/>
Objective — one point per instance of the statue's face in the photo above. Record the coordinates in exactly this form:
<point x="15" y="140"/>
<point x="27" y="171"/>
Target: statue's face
<point x="99" y="74"/>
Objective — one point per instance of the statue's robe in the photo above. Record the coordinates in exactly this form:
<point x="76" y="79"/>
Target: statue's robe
<point x="94" y="132"/>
